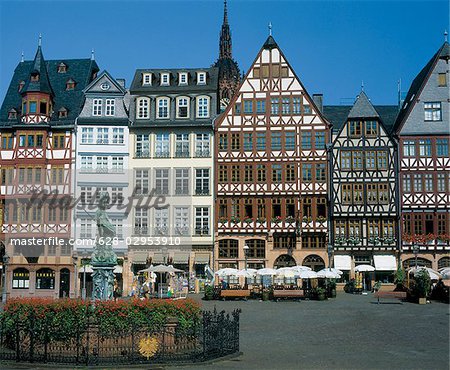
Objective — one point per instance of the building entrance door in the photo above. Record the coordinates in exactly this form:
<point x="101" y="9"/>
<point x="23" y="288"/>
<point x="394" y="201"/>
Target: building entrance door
<point x="64" y="283"/>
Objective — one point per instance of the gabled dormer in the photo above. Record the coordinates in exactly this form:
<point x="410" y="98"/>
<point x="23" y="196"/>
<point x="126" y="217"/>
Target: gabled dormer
<point x="37" y="93"/>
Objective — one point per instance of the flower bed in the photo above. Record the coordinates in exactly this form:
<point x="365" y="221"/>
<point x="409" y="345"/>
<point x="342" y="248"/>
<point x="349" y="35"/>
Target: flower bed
<point x="69" y="316"/>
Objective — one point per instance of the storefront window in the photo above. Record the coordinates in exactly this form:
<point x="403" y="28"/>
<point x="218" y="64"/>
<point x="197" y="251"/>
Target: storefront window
<point x="45" y="279"/>
<point x="21" y="279"/>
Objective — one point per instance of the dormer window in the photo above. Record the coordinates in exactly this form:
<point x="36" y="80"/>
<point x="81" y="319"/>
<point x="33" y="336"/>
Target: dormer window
<point x="165" y="79"/>
<point x="183" y="78"/>
<point x="201" y="78"/>
<point x="62" y="112"/>
<point x="70" y="84"/>
<point x="21" y="85"/>
<point x="147" y="79"/>
<point x="62" y="68"/>
<point x="34" y="76"/>
<point x="12" y="114"/>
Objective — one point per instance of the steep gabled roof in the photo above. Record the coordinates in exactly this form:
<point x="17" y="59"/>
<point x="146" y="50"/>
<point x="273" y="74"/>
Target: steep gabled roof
<point x="363" y="108"/>
<point x="39" y="67"/>
<point x="418" y="84"/>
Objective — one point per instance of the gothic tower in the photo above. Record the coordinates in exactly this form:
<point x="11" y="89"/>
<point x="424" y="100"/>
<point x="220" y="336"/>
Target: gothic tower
<point x="229" y="76"/>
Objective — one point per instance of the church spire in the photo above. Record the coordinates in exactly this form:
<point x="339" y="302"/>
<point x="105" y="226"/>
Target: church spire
<point x="225" y="35"/>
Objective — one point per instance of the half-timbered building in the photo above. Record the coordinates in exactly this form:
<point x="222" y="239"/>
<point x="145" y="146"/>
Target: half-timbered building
<point x="37" y="154"/>
<point x="423" y="132"/>
<point x="271" y="170"/>
<point x="364" y="191"/>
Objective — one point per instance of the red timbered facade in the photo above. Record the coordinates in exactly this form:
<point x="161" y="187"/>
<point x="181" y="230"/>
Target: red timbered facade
<point x="37" y="154"/>
<point x="423" y="132"/>
<point x="271" y="170"/>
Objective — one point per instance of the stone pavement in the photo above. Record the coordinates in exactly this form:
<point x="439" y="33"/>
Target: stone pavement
<point x="349" y="332"/>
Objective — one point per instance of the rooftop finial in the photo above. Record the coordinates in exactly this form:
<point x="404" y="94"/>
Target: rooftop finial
<point x="445" y="36"/>
<point x="225" y="12"/>
<point x="270" y="28"/>
<point x="92" y="55"/>
<point x="40" y="40"/>
<point x="362" y="85"/>
<point x="21" y="59"/>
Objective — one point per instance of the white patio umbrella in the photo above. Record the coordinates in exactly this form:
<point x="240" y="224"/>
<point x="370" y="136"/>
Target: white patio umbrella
<point x="339" y="272"/>
<point x="300" y="268"/>
<point x="227" y="272"/>
<point x="364" y="268"/>
<point x="307" y="274"/>
<point x="328" y="274"/>
<point x="434" y="275"/>
<point x="286" y="272"/>
<point x="161" y="269"/>
<point x="266" y="271"/>
<point x="445" y="272"/>
<point x="246" y="273"/>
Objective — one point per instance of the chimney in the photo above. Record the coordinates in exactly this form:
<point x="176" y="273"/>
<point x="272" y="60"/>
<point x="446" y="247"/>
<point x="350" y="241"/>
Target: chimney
<point x="318" y="101"/>
<point x="121" y="82"/>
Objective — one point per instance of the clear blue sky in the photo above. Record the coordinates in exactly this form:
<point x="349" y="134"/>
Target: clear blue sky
<point x="332" y="45"/>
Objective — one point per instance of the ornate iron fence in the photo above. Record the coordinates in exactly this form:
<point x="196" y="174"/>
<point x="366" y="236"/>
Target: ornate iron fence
<point x="216" y="335"/>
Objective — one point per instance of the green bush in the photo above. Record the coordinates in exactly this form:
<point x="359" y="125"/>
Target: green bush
<point x="422" y="284"/>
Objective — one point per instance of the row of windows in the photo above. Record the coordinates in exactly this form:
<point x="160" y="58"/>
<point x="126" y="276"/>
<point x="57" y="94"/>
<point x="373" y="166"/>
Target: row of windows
<point x="359" y="193"/>
<point x="105" y="107"/>
<point x="425" y="147"/>
<point x="228" y="248"/>
<point x="177" y="184"/>
<point x="90" y="195"/>
<point x="374" y="228"/>
<point x="162" y="145"/>
<point x="22" y="214"/>
<point x="357" y="129"/>
<point x="166" y="77"/>
<point x="425" y="223"/>
<point x="282" y="208"/>
<point x="88" y="228"/>
<point x="38" y="106"/>
<point x="163" y="107"/>
<point x="426" y="182"/>
<point x="284" y="105"/>
<point x="102" y="135"/>
<point x="278" y="140"/>
<point x="162" y="227"/>
<point x="369" y="160"/>
<point x="45" y="278"/>
<point x="103" y="164"/>
<point x="34" y="175"/>
<point x="32" y="141"/>
<point x="279" y="173"/>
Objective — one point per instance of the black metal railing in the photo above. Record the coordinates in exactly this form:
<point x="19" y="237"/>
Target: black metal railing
<point x="32" y="340"/>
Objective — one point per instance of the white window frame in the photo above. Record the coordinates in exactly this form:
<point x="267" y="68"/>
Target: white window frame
<point x="182" y="145"/>
<point x="161" y="221"/>
<point x="86" y="163"/>
<point x="432" y="111"/>
<point x="141" y="180"/>
<point x="142" y="108"/>
<point x="102" y="135"/>
<point x="117" y="164"/>
<point x="87" y="135"/>
<point x="183" y="102"/>
<point x="162" y="183"/>
<point x="202" y="181"/>
<point x="203" y="106"/>
<point x="118" y="225"/>
<point x="165" y="79"/>
<point x="140" y="221"/>
<point x="163" y="104"/>
<point x="142" y="140"/>
<point x="162" y="145"/>
<point x="202" y="145"/>
<point x="110" y="107"/>
<point x="201" y="78"/>
<point x="202" y="220"/>
<point x="118" y="135"/>
<point x="182" y="181"/>
<point x="146" y="79"/>
<point x="181" y="221"/>
<point x="97" y="107"/>
<point x="183" y="78"/>
<point x="101" y="164"/>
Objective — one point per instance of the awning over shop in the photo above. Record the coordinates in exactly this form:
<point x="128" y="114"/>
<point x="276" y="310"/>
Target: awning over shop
<point x="201" y="258"/>
<point x="118" y="269"/>
<point x="86" y="268"/>
<point x="140" y="257"/>
<point x="181" y="258"/>
<point x="159" y="258"/>
<point x="385" y="263"/>
<point x="343" y="263"/>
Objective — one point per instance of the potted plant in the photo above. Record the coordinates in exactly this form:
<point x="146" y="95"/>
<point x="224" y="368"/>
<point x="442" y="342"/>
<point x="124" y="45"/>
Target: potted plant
<point x="307" y="219"/>
<point x="422" y="285"/>
<point x="399" y="279"/>
<point x="222" y="220"/>
<point x="261" y="220"/>
<point x="321" y="219"/>
<point x="266" y="294"/>
<point x="276" y="219"/>
<point x="248" y="220"/>
<point x="209" y="293"/>
<point x="235" y="219"/>
<point x="332" y="288"/>
<point x="290" y="219"/>
<point x="320" y="293"/>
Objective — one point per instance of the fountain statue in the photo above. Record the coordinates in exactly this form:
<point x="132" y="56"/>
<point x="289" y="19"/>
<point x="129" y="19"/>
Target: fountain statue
<point x="103" y="258"/>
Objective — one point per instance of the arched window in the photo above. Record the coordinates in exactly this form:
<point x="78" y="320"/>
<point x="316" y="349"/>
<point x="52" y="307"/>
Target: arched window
<point x="284" y="260"/>
<point x="183" y="107"/>
<point x="411" y="262"/>
<point x="315" y="262"/>
<point x="444" y="262"/>
<point x="21" y="278"/>
<point x="256" y="248"/>
<point x="203" y="107"/>
<point x="45" y="279"/>
<point x="228" y="248"/>
<point x="142" y="108"/>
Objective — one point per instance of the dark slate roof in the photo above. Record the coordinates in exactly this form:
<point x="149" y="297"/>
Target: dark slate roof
<point x="362" y="108"/>
<point x="80" y="70"/>
<point x="212" y="81"/>
<point x="418" y="84"/>
<point x="270" y="43"/>
<point x="337" y="115"/>
<point x="43" y="83"/>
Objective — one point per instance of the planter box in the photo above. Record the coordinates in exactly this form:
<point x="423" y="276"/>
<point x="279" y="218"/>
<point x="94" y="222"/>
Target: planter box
<point x="422" y="301"/>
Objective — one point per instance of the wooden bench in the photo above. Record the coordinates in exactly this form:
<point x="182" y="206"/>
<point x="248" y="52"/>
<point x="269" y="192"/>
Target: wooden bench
<point x="287" y="293"/>
<point x="235" y="293"/>
<point x="389" y="295"/>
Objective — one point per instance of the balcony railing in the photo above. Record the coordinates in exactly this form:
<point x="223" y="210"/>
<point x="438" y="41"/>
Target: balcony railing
<point x="203" y="153"/>
<point x="141" y="230"/>
<point x="163" y="154"/>
<point x="201" y="191"/>
<point x="182" y="154"/>
<point x="202" y="231"/>
<point x="143" y="154"/>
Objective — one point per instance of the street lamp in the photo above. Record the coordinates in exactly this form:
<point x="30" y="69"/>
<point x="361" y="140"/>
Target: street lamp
<point x="246" y="248"/>
<point x="5" y="280"/>
<point x="416" y="252"/>
<point x="330" y="253"/>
